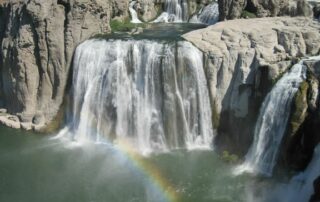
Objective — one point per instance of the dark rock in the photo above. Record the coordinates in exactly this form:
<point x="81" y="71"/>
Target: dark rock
<point x="316" y="186"/>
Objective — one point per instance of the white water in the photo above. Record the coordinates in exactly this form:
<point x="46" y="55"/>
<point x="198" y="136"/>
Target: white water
<point x="151" y="94"/>
<point x="208" y="15"/>
<point x="272" y="123"/>
<point x="133" y="13"/>
<point x="300" y="187"/>
<point x="175" y="11"/>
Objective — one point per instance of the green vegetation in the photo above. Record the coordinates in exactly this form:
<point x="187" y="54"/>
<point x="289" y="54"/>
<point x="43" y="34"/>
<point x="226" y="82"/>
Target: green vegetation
<point x="300" y="107"/>
<point x="124" y="26"/>
<point x="247" y="14"/>
<point x="229" y="158"/>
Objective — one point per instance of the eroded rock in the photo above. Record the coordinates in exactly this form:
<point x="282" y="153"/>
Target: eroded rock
<point x="242" y="64"/>
<point x="38" y="39"/>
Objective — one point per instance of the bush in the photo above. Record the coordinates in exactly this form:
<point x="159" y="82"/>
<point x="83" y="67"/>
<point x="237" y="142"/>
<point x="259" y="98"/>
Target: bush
<point x="229" y="158"/>
<point x="247" y="14"/>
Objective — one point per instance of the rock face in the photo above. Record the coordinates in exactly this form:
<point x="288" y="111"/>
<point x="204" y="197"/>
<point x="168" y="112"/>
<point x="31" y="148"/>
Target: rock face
<point x="303" y="134"/>
<point x="37" y="41"/>
<point x="231" y="9"/>
<point x="242" y="64"/>
<point x="316" y="186"/>
<point x="148" y="9"/>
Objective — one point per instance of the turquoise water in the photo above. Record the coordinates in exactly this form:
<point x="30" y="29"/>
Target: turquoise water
<point x="34" y="168"/>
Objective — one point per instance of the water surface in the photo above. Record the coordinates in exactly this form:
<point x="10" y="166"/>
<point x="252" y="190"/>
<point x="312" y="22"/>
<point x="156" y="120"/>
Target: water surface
<point x="35" y="168"/>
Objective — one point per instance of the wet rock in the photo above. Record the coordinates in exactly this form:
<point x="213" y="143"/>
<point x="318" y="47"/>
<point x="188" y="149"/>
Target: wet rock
<point x="316" y="186"/>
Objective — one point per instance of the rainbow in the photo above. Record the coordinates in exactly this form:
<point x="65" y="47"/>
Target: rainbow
<point x="163" y="186"/>
<point x="124" y="148"/>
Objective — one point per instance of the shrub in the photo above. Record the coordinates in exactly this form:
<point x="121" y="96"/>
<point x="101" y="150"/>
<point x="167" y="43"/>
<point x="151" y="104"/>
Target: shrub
<point x="247" y="14"/>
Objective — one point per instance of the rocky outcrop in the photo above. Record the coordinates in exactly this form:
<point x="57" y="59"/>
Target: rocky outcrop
<point x="315" y="7"/>
<point x="37" y="42"/>
<point x="231" y="9"/>
<point x="242" y="64"/>
<point x="148" y="9"/>
<point x="303" y="135"/>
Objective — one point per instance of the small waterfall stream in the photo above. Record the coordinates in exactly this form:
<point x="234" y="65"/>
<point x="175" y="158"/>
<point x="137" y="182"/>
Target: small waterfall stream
<point x="300" y="187"/>
<point x="175" y="11"/>
<point x="151" y="94"/>
<point x="272" y="123"/>
<point x="133" y="13"/>
<point x="207" y="15"/>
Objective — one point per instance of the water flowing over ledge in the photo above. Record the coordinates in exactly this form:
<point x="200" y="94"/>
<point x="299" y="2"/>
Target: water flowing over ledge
<point x="151" y="94"/>
<point x="207" y="15"/>
<point x="175" y="11"/>
<point x="272" y="122"/>
<point x="133" y="12"/>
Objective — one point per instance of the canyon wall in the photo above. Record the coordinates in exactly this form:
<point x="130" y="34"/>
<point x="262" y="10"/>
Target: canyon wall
<point x="243" y="62"/>
<point x="232" y="9"/>
<point x="37" y="42"/>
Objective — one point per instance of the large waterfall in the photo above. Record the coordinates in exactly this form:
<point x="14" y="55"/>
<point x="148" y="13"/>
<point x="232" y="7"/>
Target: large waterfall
<point x="272" y="123"/>
<point x="151" y="94"/>
<point x="175" y="11"/>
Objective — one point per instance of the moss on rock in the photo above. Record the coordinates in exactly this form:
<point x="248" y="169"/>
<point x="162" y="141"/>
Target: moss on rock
<point x="300" y="108"/>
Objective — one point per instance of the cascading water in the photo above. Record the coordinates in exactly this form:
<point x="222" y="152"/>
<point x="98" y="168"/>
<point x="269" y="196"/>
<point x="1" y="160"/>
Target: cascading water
<point x="151" y="94"/>
<point x="272" y="123"/>
<point x="133" y="13"/>
<point x="300" y="187"/>
<point x="175" y="11"/>
<point x="208" y="15"/>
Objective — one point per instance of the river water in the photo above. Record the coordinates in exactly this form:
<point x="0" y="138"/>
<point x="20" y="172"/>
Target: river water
<point x="38" y="168"/>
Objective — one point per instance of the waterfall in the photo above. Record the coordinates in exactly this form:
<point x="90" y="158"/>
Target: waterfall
<point x="272" y="123"/>
<point x="133" y="13"/>
<point x="151" y="94"/>
<point x="207" y="15"/>
<point x="175" y="11"/>
<point x="300" y="188"/>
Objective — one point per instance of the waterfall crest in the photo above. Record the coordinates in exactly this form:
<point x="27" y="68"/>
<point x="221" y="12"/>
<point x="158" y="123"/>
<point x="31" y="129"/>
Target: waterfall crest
<point x="151" y="94"/>
<point x="272" y="123"/>
<point x="175" y="11"/>
<point x="207" y="15"/>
